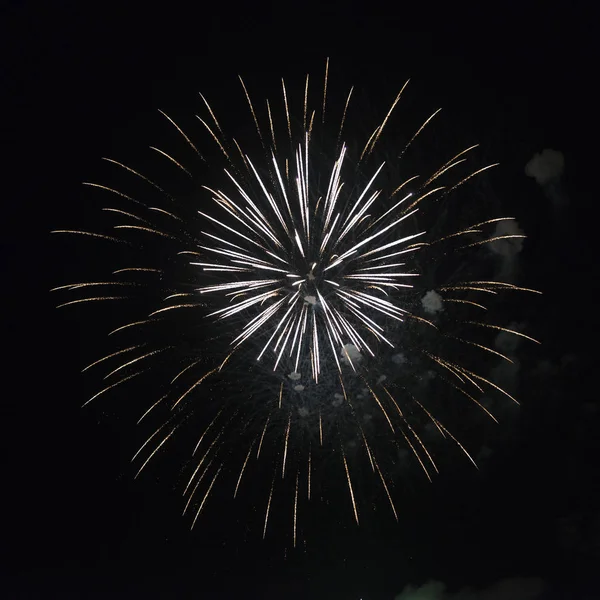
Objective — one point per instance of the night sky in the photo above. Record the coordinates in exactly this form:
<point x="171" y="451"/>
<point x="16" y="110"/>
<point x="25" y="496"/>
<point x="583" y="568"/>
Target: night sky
<point x="82" y="83"/>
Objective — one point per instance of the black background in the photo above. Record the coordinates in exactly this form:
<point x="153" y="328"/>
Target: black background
<point x="82" y="80"/>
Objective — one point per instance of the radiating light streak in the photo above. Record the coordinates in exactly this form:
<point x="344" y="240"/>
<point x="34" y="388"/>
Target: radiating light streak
<point x="350" y="488"/>
<point x="206" y="496"/>
<point x="100" y="360"/>
<point x="237" y="485"/>
<point x="505" y="329"/>
<point x="296" y="507"/>
<point x="110" y="387"/>
<point x="285" y="447"/>
<point x="268" y="509"/>
<point x="387" y="491"/>
<point x="262" y="437"/>
<point x="156" y="450"/>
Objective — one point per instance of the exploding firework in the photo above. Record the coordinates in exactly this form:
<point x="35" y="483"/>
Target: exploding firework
<point x="285" y="307"/>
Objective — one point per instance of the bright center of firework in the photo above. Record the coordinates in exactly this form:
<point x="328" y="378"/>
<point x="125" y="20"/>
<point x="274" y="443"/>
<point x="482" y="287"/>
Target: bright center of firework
<point x="308" y="267"/>
<point x="311" y="286"/>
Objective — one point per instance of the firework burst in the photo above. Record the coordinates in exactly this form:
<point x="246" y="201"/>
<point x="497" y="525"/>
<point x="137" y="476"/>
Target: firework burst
<point x="283" y="314"/>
